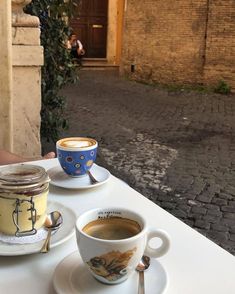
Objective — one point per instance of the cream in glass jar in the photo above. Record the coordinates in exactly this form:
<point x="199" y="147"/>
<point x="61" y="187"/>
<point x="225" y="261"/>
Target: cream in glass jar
<point x="23" y="199"/>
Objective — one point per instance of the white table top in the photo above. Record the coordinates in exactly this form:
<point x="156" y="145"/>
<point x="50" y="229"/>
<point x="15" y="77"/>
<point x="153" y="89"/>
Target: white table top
<point x="194" y="264"/>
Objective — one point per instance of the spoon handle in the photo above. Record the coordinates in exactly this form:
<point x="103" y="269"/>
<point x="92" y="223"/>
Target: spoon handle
<point x="92" y="178"/>
<point x="141" y="283"/>
<point x="46" y="246"/>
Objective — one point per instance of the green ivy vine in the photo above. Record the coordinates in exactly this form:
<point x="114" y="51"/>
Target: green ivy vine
<point x="58" y="69"/>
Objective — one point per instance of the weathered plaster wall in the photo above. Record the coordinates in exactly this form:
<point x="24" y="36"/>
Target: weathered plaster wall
<point x="5" y="76"/>
<point x="111" y="31"/>
<point x="21" y="58"/>
<point x="27" y="61"/>
<point x="26" y="109"/>
<point x="179" y="41"/>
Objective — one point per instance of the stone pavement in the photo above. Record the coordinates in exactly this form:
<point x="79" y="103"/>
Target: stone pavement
<point x="176" y="148"/>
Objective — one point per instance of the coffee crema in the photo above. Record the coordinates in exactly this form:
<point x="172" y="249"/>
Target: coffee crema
<point x="77" y="142"/>
<point x="112" y="228"/>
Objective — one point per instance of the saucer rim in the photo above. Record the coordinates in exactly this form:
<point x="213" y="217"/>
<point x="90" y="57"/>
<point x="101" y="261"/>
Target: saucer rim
<point x="57" y="169"/>
<point x="16" y="249"/>
<point x="63" y="282"/>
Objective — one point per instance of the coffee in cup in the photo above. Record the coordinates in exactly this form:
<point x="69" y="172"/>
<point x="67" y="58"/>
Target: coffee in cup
<point x="76" y="155"/>
<point x="111" y="242"/>
<point x="77" y="142"/>
<point x="115" y="228"/>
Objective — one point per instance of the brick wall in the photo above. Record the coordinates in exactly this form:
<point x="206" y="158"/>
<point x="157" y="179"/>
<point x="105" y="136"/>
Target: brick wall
<point x="220" y="45"/>
<point x="179" y="41"/>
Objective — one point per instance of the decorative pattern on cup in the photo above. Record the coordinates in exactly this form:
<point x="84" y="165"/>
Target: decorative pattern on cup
<point x="76" y="163"/>
<point x="111" y="266"/>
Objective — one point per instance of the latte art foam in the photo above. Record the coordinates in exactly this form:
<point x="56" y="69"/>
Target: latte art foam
<point x="77" y="142"/>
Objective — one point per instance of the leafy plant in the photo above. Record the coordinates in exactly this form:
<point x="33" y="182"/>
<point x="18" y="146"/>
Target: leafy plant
<point x="58" y="69"/>
<point x="222" y="88"/>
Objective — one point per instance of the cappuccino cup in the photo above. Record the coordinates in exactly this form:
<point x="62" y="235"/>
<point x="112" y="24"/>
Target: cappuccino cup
<point x="76" y="155"/>
<point x="111" y="242"/>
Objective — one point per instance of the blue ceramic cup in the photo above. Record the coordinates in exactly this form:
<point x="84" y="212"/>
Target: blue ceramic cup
<point x="76" y="155"/>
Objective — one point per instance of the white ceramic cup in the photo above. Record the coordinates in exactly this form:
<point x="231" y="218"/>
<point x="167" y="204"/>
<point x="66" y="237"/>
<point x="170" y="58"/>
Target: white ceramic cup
<point x="112" y="261"/>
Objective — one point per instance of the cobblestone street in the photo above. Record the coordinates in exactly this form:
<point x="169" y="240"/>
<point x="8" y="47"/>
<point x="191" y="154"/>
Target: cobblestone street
<point x="176" y="148"/>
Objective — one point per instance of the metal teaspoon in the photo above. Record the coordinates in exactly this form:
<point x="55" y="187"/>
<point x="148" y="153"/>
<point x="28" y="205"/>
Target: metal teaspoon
<point x="92" y="178"/>
<point x="54" y="221"/>
<point x="141" y="267"/>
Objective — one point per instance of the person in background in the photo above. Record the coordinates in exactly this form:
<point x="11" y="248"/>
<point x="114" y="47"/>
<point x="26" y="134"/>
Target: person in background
<point x="76" y="48"/>
<point x="8" y="157"/>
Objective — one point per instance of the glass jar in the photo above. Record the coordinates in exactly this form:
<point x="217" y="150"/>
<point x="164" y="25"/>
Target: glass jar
<point x="23" y="199"/>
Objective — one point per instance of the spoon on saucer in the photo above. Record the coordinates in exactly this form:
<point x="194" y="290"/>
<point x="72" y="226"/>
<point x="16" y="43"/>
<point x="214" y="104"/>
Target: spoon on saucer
<point x="53" y="222"/>
<point x="141" y="267"/>
<point x="92" y="178"/>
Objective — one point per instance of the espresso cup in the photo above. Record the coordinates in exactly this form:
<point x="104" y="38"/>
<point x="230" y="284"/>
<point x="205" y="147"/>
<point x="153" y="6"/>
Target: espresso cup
<point x="111" y="242"/>
<point x="76" y="155"/>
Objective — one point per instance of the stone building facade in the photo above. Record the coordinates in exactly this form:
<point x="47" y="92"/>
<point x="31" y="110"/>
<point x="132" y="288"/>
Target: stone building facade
<point x="179" y="41"/>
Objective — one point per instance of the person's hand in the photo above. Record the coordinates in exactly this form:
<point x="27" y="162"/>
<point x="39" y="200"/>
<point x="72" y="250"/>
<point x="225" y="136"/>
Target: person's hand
<point x="80" y="51"/>
<point x="9" y="158"/>
<point x="49" y="155"/>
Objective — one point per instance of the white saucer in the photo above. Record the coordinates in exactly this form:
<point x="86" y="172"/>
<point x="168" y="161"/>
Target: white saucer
<point x="71" y="276"/>
<point x="65" y="232"/>
<point x="60" y="179"/>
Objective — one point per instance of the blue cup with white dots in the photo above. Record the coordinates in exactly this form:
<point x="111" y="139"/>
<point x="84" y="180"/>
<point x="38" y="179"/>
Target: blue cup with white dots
<point x="76" y="155"/>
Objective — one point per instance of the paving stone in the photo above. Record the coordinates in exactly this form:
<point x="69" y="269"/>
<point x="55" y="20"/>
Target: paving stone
<point x="229" y="215"/>
<point x="215" y="213"/>
<point x="199" y="210"/>
<point x="204" y="198"/>
<point x="179" y="213"/>
<point x="228" y="209"/>
<point x="168" y="205"/>
<point x="231" y="204"/>
<point x="202" y="224"/>
<point x="168" y="146"/>
<point x="232" y="237"/>
<point x="189" y="222"/>
<point x="190" y="196"/>
<point x="211" y="218"/>
<point x="227" y="221"/>
<point x="219" y="201"/>
<point x="226" y="196"/>
<point x="230" y="190"/>
<point x="195" y="216"/>
<point x="183" y="205"/>
<point x="220" y="228"/>
<point x="192" y="202"/>
<point x="212" y="207"/>
<point x="218" y="235"/>
<point x="232" y="229"/>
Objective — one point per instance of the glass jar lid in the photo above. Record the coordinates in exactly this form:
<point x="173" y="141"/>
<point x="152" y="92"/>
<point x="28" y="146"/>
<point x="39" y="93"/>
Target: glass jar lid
<point x="22" y="176"/>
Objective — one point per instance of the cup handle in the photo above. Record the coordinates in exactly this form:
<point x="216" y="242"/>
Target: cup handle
<point x="157" y="252"/>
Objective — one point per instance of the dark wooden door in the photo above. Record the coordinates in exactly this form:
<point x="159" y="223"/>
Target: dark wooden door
<point x="91" y="27"/>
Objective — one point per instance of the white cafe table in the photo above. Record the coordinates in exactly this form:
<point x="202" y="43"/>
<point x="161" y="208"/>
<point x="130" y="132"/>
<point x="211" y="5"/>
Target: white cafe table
<point x="194" y="264"/>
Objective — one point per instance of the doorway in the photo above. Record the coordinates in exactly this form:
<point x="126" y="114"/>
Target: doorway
<point x="91" y="27"/>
